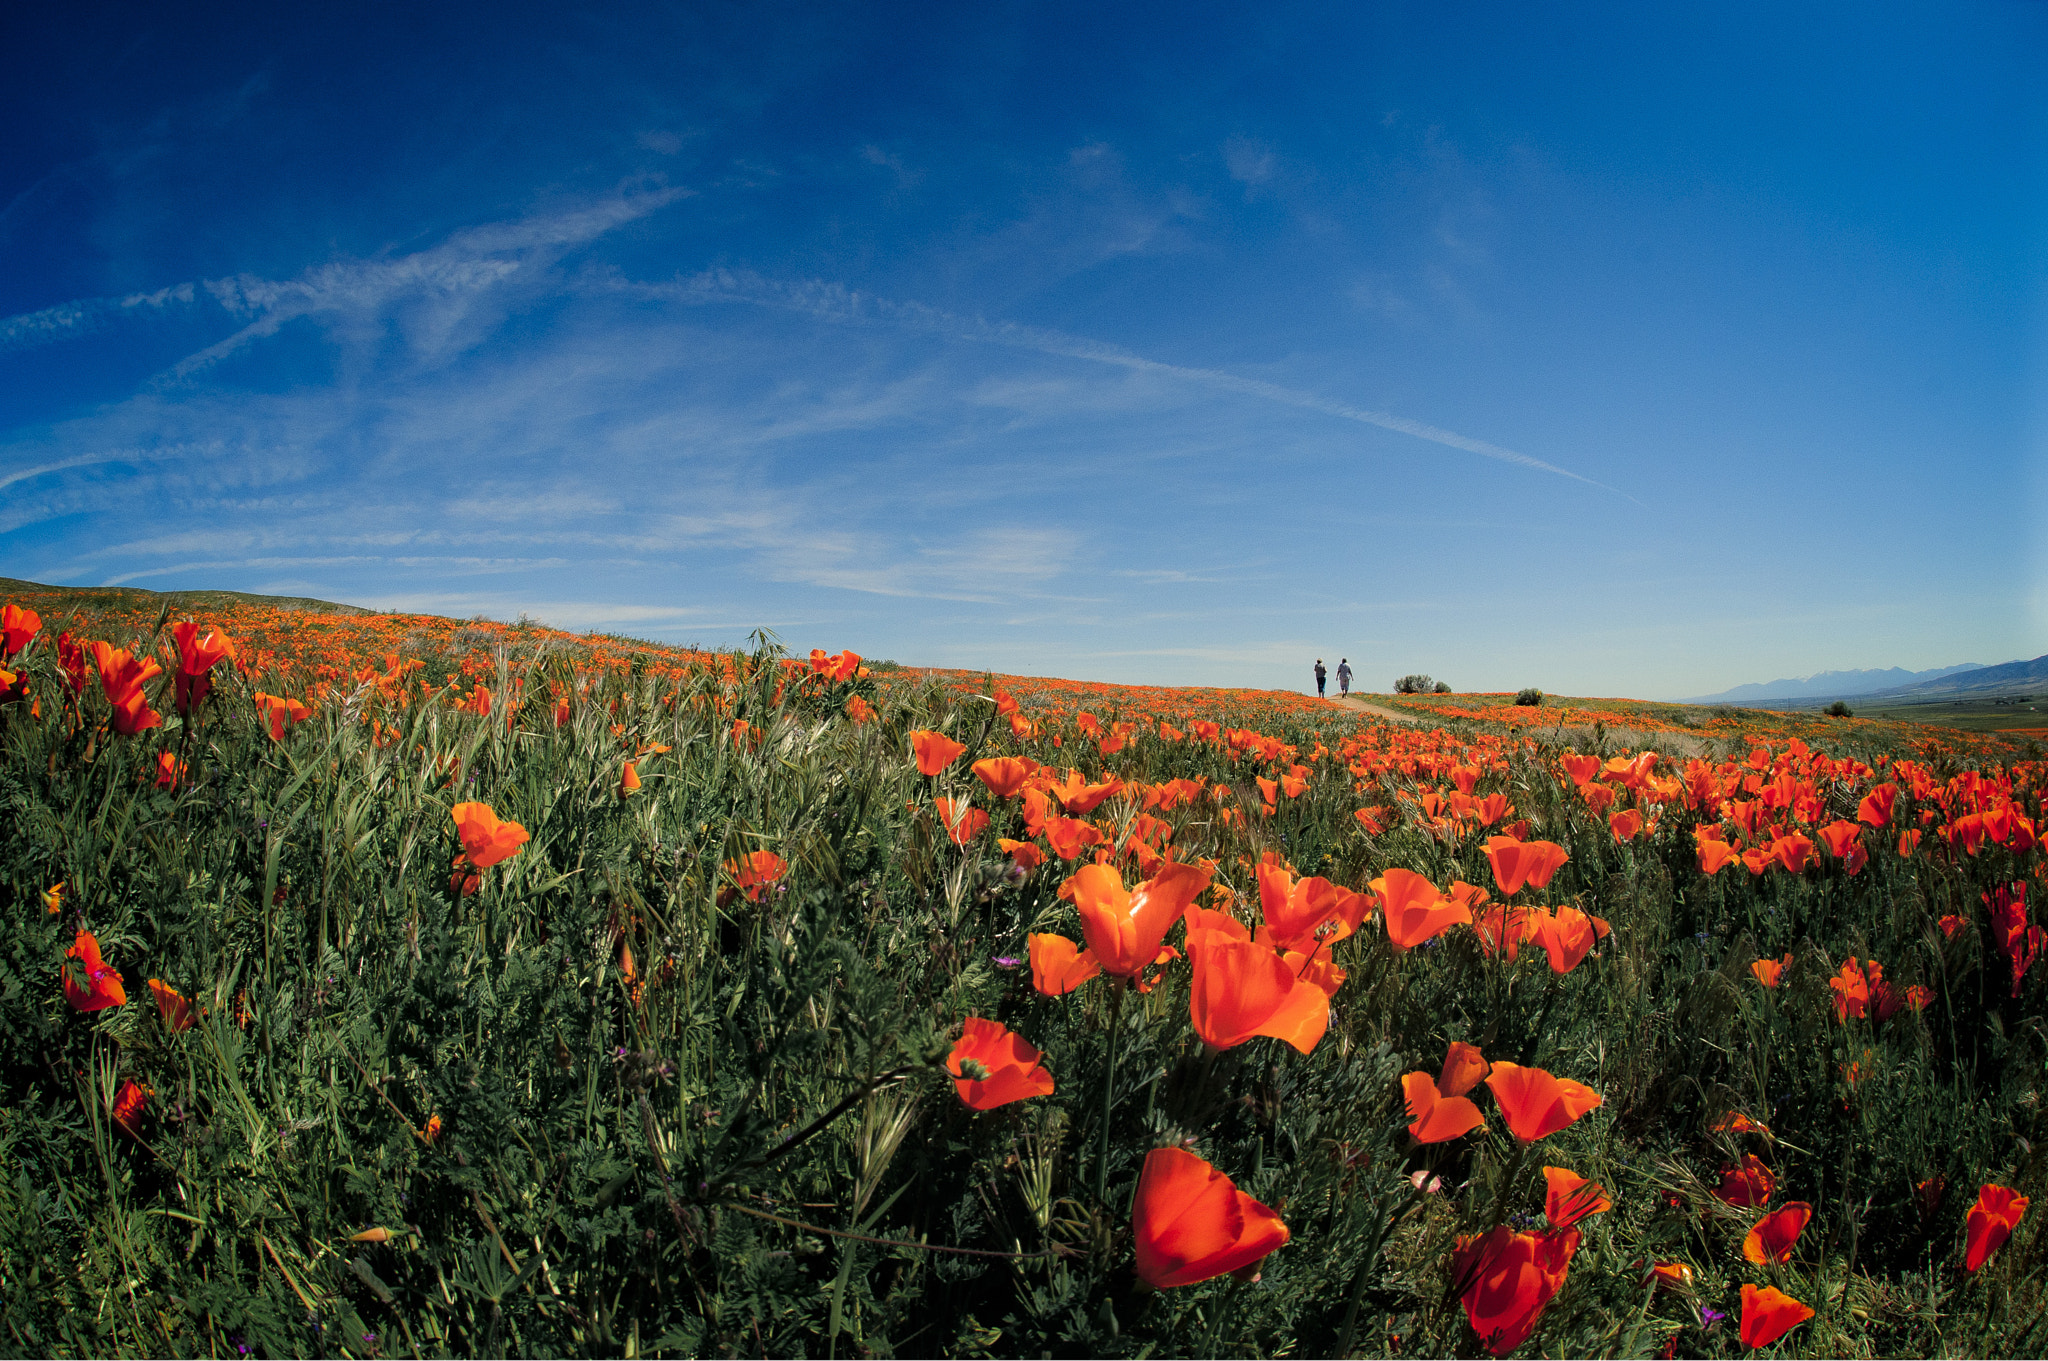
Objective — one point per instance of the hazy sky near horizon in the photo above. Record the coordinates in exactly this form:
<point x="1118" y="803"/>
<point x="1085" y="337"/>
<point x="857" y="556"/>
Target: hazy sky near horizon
<point x="1613" y="349"/>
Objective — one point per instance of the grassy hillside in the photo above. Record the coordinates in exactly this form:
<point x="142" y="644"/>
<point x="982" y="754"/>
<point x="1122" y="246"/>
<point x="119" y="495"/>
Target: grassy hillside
<point x="683" y="1072"/>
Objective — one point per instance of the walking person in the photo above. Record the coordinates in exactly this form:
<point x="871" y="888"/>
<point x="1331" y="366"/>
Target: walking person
<point x="1343" y="676"/>
<point x="1320" y="674"/>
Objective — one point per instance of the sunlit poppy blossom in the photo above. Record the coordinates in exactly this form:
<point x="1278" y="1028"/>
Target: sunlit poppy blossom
<point x="756" y="871"/>
<point x="1124" y="927"/>
<point x="172" y="1006"/>
<point x="1671" y="1275"/>
<point x="1242" y="990"/>
<point x="1068" y="837"/>
<point x="1839" y="837"/>
<point x="128" y="1107"/>
<point x="1505" y="928"/>
<point x="1026" y="856"/>
<point x="1011" y="1070"/>
<point x="17" y="627"/>
<point x="1005" y="775"/>
<point x="961" y="819"/>
<point x="1299" y="913"/>
<point x="1768" y="971"/>
<point x="1192" y="1223"/>
<point x="1058" y="966"/>
<point x="1714" y="853"/>
<point x="1768" y="1314"/>
<point x="1437" y="1115"/>
<point x="1772" y="1238"/>
<point x="1516" y="863"/>
<point x="1852" y="991"/>
<point x="1415" y="910"/>
<point x="276" y="711"/>
<point x="1537" y="1104"/>
<point x="1749" y="1185"/>
<point x="1625" y="824"/>
<point x="1991" y="1221"/>
<point x="1569" y="1197"/>
<point x="1507" y="1281"/>
<point x="934" y="751"/>
<point x="1876" y="807"/>
<point x="89" y="983"/>
<point x="196" y="660"/>
<point x="1078" y="796"/>
<point x="1567" y="935"/>
<point x="486" y="839"/>
<point x="1793" y="851"/>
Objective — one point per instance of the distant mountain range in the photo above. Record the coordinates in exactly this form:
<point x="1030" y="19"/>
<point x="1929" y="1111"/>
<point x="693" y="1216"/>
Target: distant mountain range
<point x="1836" y="684"/>
<point x="1943" y="683"/>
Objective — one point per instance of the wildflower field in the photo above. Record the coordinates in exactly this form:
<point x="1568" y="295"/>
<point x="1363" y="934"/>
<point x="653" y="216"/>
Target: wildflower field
<point x="377" y="985"/>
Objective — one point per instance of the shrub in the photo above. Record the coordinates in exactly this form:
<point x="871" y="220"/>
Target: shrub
<point x="1416" y="684"/>
<point x="1443" y="687"/>
<point x="1529" y="697"/>
<point x="1839" y="709"/>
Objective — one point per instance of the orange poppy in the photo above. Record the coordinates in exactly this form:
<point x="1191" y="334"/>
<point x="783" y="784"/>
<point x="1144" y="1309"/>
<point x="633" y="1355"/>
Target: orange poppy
<point x="485" y="838"/>
<point x="172" y="1006"/>
<point x="1415" y="910"/>
<point x="1068" y="837"/>
<point x="1876" y="807"/>
<point x="1439" y="1109"/>
<point x="1241" y="990"/>
<point x="1841" y="837"/>
<point x="934" y="751"/>
<point x="1714" y="853"/>
<point x="756" y="871"/>
<point x="1011" y="1070"/>
<point x="90" y="984"/>
<point x="1192" y="1223"/>
<point x="1005" y="775"/>
<point x="196" y="660"/>
<point x="1516" y="863"/>
<point x="1735" y="1122"/>
<point x="276" y="711"/>
<point x="1508" y="1280"/>
<point x="1026" y="856"/>
<point x="1567" y="935"/>
<point x="859" y="710"/>
<point x="1124" y="927"/>
<point x="1058" y="966"/>
<point x="1991" y="1221"/>
<point x="1768" y="1314"/>
<point x="1772" y="1238"/>
<point x="170" y="771"/>
<point x="1300" y="913"/>
<point x="128" y="1106"/>
<point x="17" y="626"/>
<point x="1464" y="1068"/>
<point x="1671" y="1275"/>
<point x="1768" y="971"/>
<point x="1909" y="841"/>
<point x="1502" y="927"/>
<point x="1852" y="991"/>
<point x="1793" y="851"/>
<point x="1569" y="1197"/>
<point x="961" y="819"/>
<point x="629" y="782"/>
<point x="1078" y="796"/>
<point x="1537" y="1104"/>
<point x="1749" y="1185"/>
<point x="1625" y="824"/>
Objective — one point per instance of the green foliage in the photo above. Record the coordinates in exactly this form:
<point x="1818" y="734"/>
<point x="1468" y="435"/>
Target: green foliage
<point x="1529" y="697"/>
<point x="1415" y="683"/>
<point x="1839" y="709"/>
<point x="743" y="1140"/>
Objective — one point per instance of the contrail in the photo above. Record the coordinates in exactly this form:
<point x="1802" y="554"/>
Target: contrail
<point x="834" y="303"/>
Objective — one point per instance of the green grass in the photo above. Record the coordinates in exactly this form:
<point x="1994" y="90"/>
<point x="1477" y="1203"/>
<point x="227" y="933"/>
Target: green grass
<point x="749" y="1146"/>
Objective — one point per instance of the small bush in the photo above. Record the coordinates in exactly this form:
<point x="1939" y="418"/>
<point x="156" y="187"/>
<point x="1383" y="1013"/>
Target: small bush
<point x="1529" y="697"/>
<point x="1839" y="709"/>
<point x="1416" y="684"/>
<point x="1443" y="687"/>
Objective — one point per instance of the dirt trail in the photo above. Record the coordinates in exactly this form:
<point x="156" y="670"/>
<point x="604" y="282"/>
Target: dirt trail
<point x="1685" y="743"/>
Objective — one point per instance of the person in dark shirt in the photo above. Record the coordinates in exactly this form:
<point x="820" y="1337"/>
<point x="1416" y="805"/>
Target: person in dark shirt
<point x="1320" y="677"/>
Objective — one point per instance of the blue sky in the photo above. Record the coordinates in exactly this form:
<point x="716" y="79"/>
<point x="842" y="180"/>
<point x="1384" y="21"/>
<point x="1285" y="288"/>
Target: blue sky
<point x="1612" y="349"/>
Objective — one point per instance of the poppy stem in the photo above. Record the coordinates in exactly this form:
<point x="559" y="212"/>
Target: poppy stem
<point x="1116" y="1008"/>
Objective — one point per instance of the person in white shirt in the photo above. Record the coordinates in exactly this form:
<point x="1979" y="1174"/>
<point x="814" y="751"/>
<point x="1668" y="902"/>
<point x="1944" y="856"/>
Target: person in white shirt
<point x="1343" y="676"/>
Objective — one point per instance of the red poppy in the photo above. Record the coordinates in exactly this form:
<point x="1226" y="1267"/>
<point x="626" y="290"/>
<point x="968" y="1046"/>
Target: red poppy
<point x="1537" y="1104"/>
<point x="485" y="839"/>
<point x="128" y="1106"/>
<point x="1569" y="1197"/>
<point x="1058" y="966"/>
<point x="1876" y="808"/>
<point x="1516" y="863"/>
<point x="934" y="751"/>
<point x="1768" y="1314"/>
<point x="172" y="1006"/>
<point x="89" y="983"/>
<point x="755" y="871"/>
<point x="1241" y="990"/>
<point x="71" y="662"/>
<point x="1415" y="910"/>
<point x="1192" y="1223"/>
<point x="1749" y="1185"/>
<point x="1772" y="1238"/>
<point x="1011" y="1069"/>
<point x="1991" y="1221"/>
<point x="1005" y="775"/>
<point x="1124" y="927"/>
<point x="1508" y="1280"/>
<point x="1909" y="841"/>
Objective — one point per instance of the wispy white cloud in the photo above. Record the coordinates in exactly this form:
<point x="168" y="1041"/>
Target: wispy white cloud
<point x="84" y="315"/>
